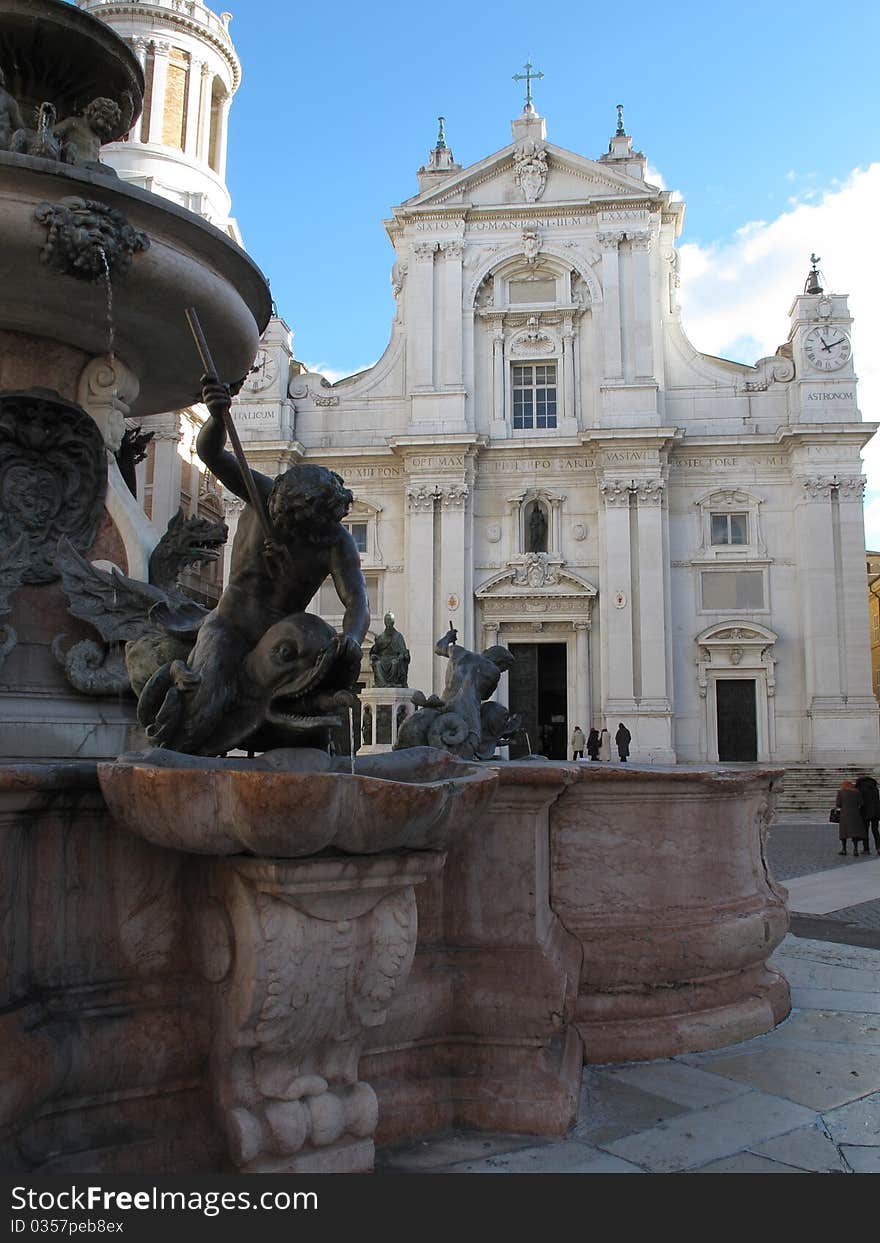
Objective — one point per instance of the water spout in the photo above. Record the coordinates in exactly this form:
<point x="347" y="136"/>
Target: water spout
<point x="351" y="737"/>
<point x="108" y="285"/>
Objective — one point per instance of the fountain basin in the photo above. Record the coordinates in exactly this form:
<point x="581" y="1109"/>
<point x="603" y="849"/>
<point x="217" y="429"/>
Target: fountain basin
<point x="227" y="807"/>
<point x="189" y="263"/>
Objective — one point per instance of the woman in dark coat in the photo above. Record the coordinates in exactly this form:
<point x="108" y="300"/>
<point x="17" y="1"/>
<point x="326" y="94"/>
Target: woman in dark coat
<point x="851" y="823"/>
<point x="870" y="793"/>
<point x="593" y="743"/>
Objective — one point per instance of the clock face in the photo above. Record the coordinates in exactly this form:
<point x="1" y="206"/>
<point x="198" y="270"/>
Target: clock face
<point x="827" y="347"/>
<point x="262" y="374"/>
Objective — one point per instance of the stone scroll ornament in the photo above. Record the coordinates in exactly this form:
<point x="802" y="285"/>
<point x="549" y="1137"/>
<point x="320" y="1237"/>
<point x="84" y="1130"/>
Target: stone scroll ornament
<point x="87" y="239"/>
<point x="306" y="956"/>
<point x="53" y="477"/>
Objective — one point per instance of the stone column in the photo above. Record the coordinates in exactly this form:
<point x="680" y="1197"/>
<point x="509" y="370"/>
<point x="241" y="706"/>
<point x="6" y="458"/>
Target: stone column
<point x="609" y="243"/>
<point x="642" y="337"/>
<point x="419" y="537"/>
<point x="420" y="316"/>
<point x="193" y="103"/>
<point x="161" y="50"/>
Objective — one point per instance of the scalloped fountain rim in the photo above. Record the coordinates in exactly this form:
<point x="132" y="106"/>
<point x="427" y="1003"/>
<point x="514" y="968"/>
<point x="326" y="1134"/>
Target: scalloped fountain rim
<point x="224" y="809"/>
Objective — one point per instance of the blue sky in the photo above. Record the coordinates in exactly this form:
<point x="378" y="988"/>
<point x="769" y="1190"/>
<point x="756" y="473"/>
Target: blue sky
<point x="740" y="109"/>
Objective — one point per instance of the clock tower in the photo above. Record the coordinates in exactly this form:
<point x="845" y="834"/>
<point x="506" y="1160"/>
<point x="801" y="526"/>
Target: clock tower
<point x="821" y="350"/>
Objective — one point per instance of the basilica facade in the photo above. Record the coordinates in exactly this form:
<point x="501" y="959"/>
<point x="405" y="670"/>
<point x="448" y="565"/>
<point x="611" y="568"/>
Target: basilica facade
<point x="542" y="459"/>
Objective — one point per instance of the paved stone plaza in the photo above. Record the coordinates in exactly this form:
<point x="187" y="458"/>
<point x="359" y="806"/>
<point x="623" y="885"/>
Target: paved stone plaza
<point x="803" y="1099"/>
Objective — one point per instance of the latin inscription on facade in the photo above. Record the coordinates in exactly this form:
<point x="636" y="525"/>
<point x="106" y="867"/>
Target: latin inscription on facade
<point x="437" y="463"/>
<point x="368" y="472"/>
<point x="533" y="465"/>
<point x="250" y="416"/>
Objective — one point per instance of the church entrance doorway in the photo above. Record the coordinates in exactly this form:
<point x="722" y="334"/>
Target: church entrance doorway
<point x="538" y="691"/>
<point x="737" y="720"/>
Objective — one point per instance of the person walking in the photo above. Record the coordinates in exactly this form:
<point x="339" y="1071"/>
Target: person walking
<point x="578" y="739"/>
<point x="870" y="793"/>
<point x="593" y="743"/>
<point x="851" y="824"/>
<point x="623" y="738"/>
<point x="604" y="745"/>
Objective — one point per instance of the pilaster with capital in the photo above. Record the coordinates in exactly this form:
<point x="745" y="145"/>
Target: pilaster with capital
<point x="204" y="142"/>
<point x="583" y="694"/>
<point x="193" y="99"/>
<point x="609" y="244"/>
<point x="421" y="499"/>
<point x="643" y="325"/>
<point x="160" y="52"/>
<point x="167" y="463"/>
<point x="420" y="315"/>
<point x="456" y="566"/>
<point x="615" y="578"/>
<point x="449" y="317"/>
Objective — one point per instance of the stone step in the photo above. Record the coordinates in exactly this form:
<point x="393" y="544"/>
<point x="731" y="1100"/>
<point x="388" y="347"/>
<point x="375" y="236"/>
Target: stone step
<point x="813" y="789"/>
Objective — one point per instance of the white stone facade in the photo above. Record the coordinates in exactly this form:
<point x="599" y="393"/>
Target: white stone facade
<point x="700" y="552"/>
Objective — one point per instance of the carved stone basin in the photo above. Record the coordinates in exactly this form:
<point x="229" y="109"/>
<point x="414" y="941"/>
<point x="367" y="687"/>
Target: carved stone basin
<point x="288" y="804"/>
<point x="188" y="263"/>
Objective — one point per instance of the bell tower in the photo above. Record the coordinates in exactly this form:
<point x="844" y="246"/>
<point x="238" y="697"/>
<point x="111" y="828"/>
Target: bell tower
<point x="177" y="147"/>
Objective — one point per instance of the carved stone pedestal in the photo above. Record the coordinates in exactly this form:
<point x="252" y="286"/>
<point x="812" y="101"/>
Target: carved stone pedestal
<point x="383" y="710"/>
<point x="305" y="956"/>
<point x="482" y="1036"/>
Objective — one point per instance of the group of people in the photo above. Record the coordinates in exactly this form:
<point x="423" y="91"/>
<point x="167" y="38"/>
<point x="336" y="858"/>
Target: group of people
<point x="598" y="743"/>
<point x="858" y="805"/>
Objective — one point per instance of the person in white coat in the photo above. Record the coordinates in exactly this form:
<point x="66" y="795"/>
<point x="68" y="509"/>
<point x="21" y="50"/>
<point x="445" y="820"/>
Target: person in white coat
<point x="604" y="745"/>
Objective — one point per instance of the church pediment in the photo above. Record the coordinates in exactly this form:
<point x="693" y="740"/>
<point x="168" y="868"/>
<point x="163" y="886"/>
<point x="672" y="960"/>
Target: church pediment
<point x="548" y="175"/>
<point x="536" y="574"/>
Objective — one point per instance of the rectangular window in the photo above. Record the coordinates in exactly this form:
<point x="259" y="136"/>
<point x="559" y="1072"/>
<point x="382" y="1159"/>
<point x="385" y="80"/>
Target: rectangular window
<point x="329" y="604"/>
<point x="359" y="532"/>
<point x="735" y="589"/>
<point x="730" y="528"/>
<point x="534" y="395"/>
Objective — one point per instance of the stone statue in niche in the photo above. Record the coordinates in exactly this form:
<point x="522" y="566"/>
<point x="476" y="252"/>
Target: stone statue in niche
<point x="537" y="533"/>
<point x="40" y="141"/>
<point x="10" y="115"/>
<point x="53" y="477"/>
<point x="262" y="672"/>
<point x="390" y="656"/>
<point x="461" y="720"/>
<point x="82" y="137"/>
<point x="88" y="239"/>
<point x="367" y="725"/>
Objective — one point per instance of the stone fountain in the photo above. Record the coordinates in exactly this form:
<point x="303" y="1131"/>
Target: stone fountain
<point x="267" y="964"/>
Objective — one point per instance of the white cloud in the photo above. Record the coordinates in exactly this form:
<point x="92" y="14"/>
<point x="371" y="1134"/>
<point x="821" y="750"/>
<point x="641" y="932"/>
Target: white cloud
<point x="331" y="374"/>
<point x="735" y="295"/>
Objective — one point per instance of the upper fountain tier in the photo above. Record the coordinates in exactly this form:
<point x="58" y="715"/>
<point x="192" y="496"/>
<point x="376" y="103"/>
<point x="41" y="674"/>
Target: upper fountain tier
<point x="51" y="51"/>
<point x="62" y="213"/>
